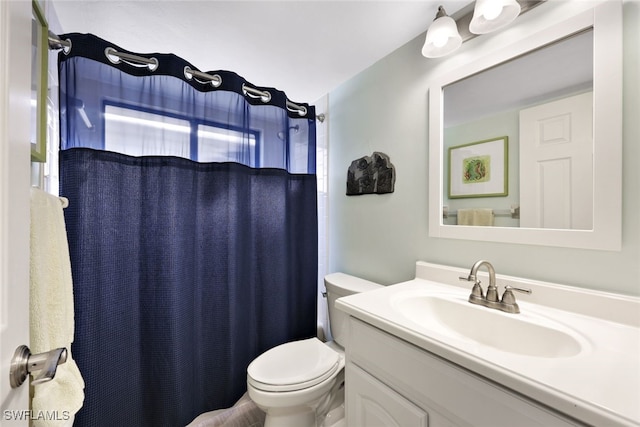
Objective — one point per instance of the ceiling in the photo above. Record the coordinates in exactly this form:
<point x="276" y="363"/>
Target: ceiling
<point x="303" y="47"/>
<point x="554" y="71"/>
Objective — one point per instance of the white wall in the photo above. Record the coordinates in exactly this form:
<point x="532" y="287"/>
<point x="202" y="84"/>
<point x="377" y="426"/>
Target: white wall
<point x="384" y="108"/>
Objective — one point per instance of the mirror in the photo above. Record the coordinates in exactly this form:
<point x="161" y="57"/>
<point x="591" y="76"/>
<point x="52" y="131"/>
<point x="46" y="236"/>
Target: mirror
<point x="545" y="94"/>
<point x="538" y="149"/>
<point x="39" y="64"/>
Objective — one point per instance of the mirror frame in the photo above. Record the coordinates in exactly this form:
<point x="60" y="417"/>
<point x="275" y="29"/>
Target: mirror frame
<point x="39" y="146"/>
<point x="606" y="20"/>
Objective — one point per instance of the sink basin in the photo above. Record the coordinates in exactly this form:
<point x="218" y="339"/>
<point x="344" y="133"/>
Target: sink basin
<point x="454" y="316"/>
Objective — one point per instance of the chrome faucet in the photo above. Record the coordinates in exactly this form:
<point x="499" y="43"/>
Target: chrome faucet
<point x="492" y="300"/>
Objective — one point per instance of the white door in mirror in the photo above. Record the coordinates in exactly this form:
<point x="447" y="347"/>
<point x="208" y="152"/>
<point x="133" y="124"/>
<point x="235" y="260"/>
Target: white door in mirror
<point x="556" y="164"/>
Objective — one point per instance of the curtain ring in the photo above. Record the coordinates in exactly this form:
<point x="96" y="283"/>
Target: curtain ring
<point x="215" y="80"/>
<point x="116" y="57"/>
<point x="300" y="109"/>
<point x="154" y="66"/>
<point x="110" y="53"/>
<point x="67" y="49"/>
<point x="264" y="95"/>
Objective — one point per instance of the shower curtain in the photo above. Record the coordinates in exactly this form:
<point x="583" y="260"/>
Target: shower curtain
<point x="192" y="228"/>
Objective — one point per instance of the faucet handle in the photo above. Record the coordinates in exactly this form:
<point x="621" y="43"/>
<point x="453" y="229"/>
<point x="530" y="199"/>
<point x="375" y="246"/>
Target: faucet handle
<point x="513" y="288"/>
<point x="477" y="294"/>
<point x="508" y="302"/>
<point x="508" y="297"/>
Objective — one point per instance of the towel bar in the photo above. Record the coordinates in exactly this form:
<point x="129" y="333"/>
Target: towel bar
<point x="24" y="363"/>
<point x="513" y="212"/>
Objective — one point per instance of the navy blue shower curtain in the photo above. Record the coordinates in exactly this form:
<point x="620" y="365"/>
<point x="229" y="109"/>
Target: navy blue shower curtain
<point x="184" y="270"/>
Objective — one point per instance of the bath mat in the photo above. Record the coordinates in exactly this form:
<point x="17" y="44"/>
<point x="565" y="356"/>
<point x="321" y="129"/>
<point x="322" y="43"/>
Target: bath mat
<point x="244" y="413"/>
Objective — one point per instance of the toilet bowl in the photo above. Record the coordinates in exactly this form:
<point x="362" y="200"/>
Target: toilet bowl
<point x="297" y="383"/>
<point x="291" y="381"/>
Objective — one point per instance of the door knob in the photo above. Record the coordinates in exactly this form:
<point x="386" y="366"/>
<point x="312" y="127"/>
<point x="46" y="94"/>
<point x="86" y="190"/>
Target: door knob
<point x="24" y="363"/>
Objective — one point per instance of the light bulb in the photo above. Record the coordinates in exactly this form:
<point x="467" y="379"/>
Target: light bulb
<point x="439" y="40"/>
<point x="492" y="11"/>
<point x="442" y="36"/>
<point x="491" y="15"/>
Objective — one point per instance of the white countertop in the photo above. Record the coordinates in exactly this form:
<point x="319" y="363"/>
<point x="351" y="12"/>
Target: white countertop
<point x="598" y="386"/>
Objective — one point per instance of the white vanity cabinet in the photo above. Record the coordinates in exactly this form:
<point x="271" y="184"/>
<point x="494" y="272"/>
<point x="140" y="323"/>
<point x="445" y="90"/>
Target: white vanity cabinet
<point x="390" y="382"/>
<point x="373" y="403"/>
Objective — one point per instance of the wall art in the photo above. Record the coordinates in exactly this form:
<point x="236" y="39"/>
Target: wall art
<point x="479" y="169"/>
<point x="373" y="174"/>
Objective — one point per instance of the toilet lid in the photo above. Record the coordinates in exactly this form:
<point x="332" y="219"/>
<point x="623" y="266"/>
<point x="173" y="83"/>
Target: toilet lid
<point x="293" y="366"/>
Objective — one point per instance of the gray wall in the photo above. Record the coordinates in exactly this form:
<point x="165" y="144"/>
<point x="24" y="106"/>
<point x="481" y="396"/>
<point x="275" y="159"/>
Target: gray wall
<point x="384" y="108"/>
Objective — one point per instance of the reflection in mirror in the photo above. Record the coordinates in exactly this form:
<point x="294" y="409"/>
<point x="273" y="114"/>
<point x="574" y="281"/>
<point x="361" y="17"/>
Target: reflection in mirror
<point x="35" y="59"/>
<point x="38" y="84"/>
<point x="465" y="108"/>
<point x="542" y="103"/>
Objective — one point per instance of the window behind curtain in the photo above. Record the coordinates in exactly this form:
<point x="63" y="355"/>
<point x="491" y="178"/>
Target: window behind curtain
<point x="136" y="132"/>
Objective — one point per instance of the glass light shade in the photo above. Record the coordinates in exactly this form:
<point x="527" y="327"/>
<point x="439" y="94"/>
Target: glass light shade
<point x="442" y="38"/>
<point x="491" y="15"/>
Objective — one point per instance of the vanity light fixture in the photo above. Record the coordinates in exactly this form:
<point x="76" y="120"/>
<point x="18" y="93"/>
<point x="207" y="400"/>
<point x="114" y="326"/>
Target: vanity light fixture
<point x="442" y="37"/>
<point x="481" y="17"/>
<point x="491" y="15"/>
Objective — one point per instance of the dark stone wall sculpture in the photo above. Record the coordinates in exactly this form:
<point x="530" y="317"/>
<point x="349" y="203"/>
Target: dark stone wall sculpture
<point x="373" y="174"/>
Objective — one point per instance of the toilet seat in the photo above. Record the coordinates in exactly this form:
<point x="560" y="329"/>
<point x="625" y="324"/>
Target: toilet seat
<point x="293" y="366"/>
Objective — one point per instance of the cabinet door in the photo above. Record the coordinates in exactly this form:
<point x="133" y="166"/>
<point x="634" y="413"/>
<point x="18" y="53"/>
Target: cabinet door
<point x="370" y="403"/>
<point x="451" y="395"/>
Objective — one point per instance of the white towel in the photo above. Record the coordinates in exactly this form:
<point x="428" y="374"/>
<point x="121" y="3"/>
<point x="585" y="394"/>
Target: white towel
<point x="52" y="315"/>
<point x="475" y="217"/>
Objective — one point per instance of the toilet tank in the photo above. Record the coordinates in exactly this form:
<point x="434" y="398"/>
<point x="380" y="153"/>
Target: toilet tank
<point x="341" y="285"/>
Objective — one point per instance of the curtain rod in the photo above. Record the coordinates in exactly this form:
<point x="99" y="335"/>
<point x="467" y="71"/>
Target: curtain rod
<point x="56" y="43"/>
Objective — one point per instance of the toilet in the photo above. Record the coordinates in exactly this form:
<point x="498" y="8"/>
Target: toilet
<point x="300" y="383"/>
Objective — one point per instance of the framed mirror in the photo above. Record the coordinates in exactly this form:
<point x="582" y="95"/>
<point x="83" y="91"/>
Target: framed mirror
<point x="39" y="80"/>
<point x="566" y="199"/>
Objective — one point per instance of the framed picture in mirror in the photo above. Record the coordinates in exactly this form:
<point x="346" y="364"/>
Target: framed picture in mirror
<point x="479" y="169"/>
